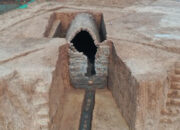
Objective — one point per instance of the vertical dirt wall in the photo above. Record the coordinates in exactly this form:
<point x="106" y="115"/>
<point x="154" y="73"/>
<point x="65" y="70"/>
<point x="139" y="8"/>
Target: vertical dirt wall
<point x="58" y="87"/>
<point x="123" y="86"/>
<point x="139" y="98"/>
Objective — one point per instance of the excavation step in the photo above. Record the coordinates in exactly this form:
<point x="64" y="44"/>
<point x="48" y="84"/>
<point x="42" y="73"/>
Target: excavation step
<point x="173" y="102"/>
<point x="174" y="94"/>
<point x="87" y="110"/>
<point x="166" y="120"/>
<point x="177" y="65"/>
<point x="175" y="85"/>
<point x="170" y="112"/>
<point x="177" y="71"/>
<point x="176" y="78"/>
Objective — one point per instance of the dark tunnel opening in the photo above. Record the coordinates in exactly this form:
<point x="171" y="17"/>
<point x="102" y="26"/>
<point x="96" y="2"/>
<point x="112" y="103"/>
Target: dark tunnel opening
<point x="83" y="42"/>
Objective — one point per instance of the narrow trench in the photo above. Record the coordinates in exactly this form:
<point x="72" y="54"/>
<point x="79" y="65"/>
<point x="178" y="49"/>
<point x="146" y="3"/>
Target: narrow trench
<point x="83" y="42"/>
<point x="87" y="110"/>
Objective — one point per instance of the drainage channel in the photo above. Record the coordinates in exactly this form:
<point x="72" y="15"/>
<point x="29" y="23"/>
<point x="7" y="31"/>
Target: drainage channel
<point x="87" y="110"/>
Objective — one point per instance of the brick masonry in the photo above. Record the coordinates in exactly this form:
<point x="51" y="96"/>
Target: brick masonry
<point x="78" y="68"/>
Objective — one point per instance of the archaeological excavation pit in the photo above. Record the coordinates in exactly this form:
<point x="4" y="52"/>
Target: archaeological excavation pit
<point x="90" y="60"/>
<point x="60" y="69"/>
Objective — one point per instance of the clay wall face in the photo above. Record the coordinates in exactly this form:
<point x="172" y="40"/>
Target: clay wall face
<point x="60" y="82"/>
<point x="124" y="88"/>
<point x="142" y="99"/>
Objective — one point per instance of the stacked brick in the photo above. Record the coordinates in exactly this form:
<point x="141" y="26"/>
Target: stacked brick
<point x="78" y="68"/>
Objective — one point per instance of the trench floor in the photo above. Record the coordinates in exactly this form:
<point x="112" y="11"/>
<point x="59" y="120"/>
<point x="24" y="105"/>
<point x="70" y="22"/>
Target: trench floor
<point x="106" y="114"/>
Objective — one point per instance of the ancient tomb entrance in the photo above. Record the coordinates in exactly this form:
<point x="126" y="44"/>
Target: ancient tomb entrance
<point x="83" y="42"/>
<point x="88" y="56"/>
<point x="88" y="62"/>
